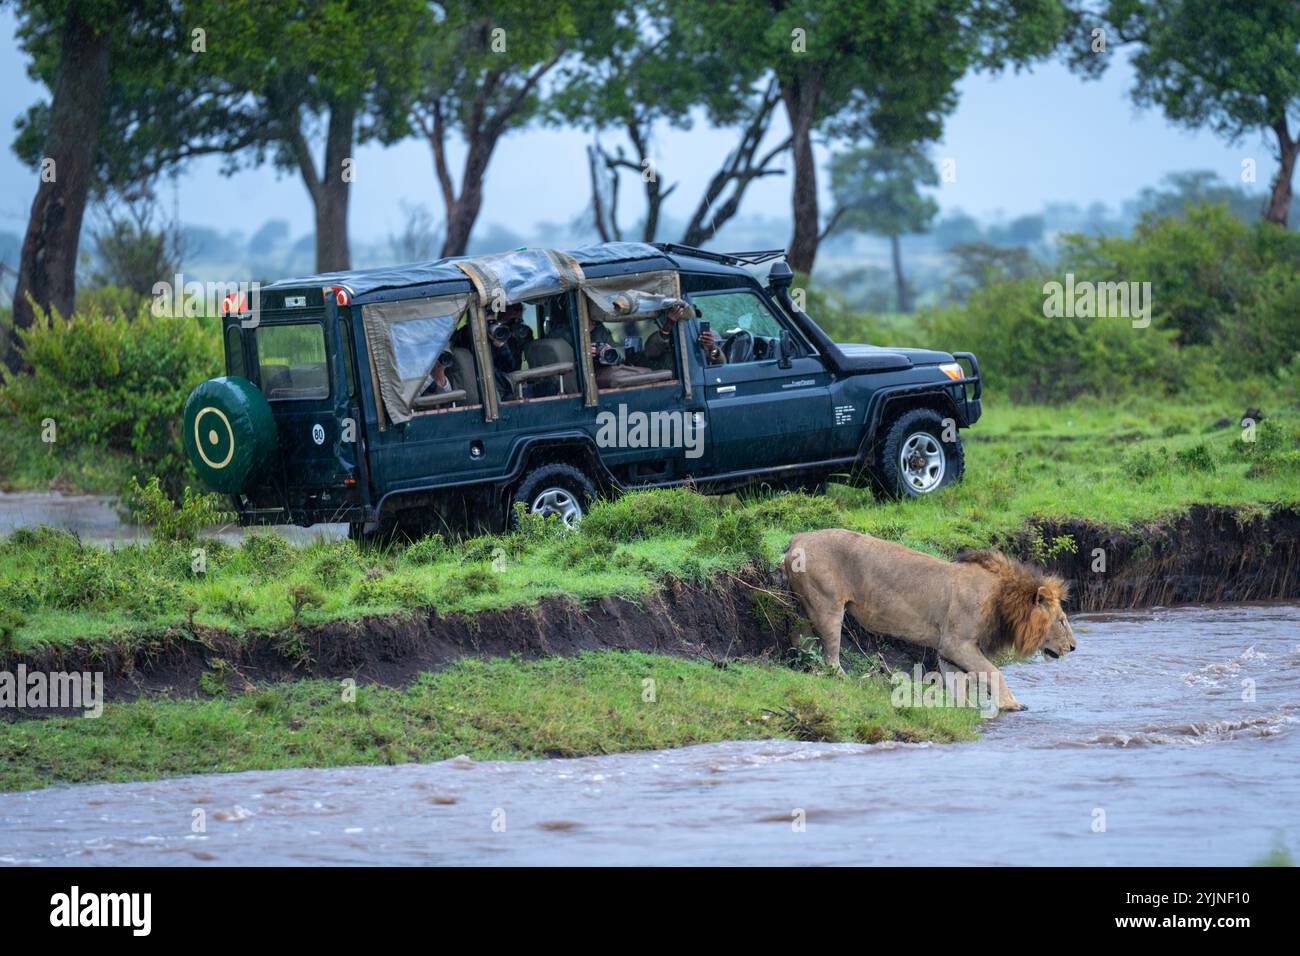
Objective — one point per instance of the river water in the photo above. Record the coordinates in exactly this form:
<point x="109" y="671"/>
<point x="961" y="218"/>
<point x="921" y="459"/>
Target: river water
<point x="1138" y="749"/>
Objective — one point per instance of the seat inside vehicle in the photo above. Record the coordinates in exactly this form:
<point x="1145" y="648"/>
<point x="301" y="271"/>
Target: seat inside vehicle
<point x="549" y="358"/>
<point x="295" y="381"/>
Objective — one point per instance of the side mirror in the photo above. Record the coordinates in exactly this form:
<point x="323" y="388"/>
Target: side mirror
<point x="787" y="348"/>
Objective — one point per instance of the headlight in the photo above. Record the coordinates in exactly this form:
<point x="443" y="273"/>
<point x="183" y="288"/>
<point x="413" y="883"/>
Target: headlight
<point x="953" y="370"/>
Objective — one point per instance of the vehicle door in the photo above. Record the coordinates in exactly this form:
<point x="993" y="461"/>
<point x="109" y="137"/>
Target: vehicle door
<point x="762" y="411"/>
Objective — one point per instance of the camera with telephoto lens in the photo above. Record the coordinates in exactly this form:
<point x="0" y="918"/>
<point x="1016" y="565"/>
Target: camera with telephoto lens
<point x="607" y="355"/>
<point x="447" y="361"/>
<point x="502" y="332"/>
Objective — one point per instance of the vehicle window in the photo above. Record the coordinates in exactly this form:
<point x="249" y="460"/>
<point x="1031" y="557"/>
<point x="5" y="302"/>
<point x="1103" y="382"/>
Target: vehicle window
<point x="235" y="353"/>
<point x="291" y="361"/>
<point x="748" y="330"/>
<point x="543" y="361"/>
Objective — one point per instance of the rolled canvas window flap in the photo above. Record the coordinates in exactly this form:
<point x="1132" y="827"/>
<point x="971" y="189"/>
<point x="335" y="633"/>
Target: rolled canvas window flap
<point x="631" y="298"/>
<point x="509" y="277"/>
<point x="405" y="339"/>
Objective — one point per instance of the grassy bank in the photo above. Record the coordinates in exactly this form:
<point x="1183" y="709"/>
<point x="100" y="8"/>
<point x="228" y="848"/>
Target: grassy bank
<point x="604" y="702"/>
<point x="1118" y="465"/>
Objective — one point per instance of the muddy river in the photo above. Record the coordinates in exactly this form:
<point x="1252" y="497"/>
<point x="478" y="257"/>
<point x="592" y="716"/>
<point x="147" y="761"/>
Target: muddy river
<point x="1169" y="737"/>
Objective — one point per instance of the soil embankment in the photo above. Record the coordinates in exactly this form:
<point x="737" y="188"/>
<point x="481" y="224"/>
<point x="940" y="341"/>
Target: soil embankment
<point x="1209" y="554"/>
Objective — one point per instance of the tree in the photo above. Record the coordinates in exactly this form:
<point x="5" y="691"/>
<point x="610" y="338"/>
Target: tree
<point x="1232" y="67"/>
<point x="480" y="73"/>
<point x="643" y="67"/>
<point x="877" y="190"/>
<point x="318" y="71"/>
<point x="120" y="110"/>
<point x="882" y="72"/>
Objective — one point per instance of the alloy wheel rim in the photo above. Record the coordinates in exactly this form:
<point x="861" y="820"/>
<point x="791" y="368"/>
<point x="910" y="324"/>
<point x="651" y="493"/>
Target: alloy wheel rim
<point x="921" y="463"/>
<point x="558" y="501"/>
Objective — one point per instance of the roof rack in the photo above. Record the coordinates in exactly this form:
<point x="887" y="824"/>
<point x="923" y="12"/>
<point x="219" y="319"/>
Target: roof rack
<point x="754" y="258"/>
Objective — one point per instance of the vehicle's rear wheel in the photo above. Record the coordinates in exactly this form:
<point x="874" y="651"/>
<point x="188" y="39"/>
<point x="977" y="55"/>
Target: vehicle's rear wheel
<point x="554" y="489"/>
<point x="913" y="460"/>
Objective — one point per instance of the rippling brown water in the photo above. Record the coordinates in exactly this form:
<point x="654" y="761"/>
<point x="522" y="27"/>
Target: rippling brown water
<point x="1144" y="728"/>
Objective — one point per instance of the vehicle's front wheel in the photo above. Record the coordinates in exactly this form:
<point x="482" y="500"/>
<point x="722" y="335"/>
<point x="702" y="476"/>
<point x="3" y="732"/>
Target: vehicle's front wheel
<point x="914" y="460"/>
<point x="555" y="489"/>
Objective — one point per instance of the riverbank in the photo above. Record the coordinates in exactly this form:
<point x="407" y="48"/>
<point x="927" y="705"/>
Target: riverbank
<point x="1171" y="508"/>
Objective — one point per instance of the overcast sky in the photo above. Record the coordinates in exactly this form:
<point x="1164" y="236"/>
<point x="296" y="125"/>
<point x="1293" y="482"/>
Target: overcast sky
<point x="1018" y="141"/>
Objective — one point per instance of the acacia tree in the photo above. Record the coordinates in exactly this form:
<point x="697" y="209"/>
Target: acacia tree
<point x="642" y="68"/>
<point x="877" y="190"/>
<point x="330" y="72"/>
<point x="1232" y="67"/>
<point x="124" y="104"/>
<point x="882" y="72"/>
<point x="481" y="67"/>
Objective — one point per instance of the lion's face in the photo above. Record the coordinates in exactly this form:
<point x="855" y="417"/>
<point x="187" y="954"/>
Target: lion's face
<point x="1059" y="637"/>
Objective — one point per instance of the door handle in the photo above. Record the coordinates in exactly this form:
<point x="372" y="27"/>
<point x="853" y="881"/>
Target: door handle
<point x="726" y="389"/>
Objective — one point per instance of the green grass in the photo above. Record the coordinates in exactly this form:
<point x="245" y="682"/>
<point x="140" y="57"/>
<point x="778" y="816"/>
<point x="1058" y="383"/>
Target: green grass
<point x="1117" y="465"/>
<point x="597" y="702"/>
<point x="29" y="464"/>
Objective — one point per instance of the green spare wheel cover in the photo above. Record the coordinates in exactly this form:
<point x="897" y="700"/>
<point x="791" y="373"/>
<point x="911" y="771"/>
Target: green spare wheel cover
<point x="230" y="433"/>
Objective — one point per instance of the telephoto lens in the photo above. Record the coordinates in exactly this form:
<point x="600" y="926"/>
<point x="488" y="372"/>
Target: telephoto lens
<point x="607" y="355"/>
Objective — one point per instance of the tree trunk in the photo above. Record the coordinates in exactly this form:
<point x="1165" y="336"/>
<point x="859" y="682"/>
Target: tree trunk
<point x="901" y="296"/>
<point x="332" y="251"/>
<point x="800" y="99"/>
<point x="47" y="270"/>
<point x="463" y="210"/>
<point x="1279" y="204"/>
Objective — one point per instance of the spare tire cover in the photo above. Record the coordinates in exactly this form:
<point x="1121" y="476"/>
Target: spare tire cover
<point x="230" y="433"/>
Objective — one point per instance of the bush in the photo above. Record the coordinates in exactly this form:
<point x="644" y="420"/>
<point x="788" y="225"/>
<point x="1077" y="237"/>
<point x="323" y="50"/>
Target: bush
<point x="1034" y="357"/>
<point x="734" y="532"/>
<point x="170" y="521"/>
<point x="427" y="550"/>
<point x="648" y="514"/>
<point x="795" y="511"/>
<point x="119" y="382"/>
<point x="1225" y="297"/>
<point x="266" y="551"/>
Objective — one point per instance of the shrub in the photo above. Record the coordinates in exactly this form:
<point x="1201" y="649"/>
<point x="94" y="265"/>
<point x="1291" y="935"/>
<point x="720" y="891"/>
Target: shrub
<point x="379" y="589"/>
<point x="265" y="551"/>
<point x="648" y="514"/>
<point x="109" y="380"/>
<point x="427" y="550"/>
<point x="1197" y="457"/>
<point x="794" y="511"/>
<point x="1035" y="357"/>
<point x="474" y="580"/>
<point x="1141" y="464"/>
<point x="169" y="520"/>
<point x="734" y="532"/>
<point x="334" y="560"/>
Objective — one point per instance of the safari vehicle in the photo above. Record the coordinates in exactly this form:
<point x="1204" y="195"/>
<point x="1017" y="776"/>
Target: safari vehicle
<point x="329" y="411"/>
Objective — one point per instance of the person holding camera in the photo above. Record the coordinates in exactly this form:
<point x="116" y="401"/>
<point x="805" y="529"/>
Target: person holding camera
<point x="609" y="362"/>
<point x="507" y="334"/>
<point x="658" y="351"/>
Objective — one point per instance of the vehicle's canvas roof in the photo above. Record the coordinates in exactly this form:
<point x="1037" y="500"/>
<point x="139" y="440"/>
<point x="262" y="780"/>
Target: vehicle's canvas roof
<point x="362" y="283"/>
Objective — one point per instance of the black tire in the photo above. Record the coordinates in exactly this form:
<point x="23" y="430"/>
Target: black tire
<point x="894" y="479"/>
<point x="572" y="492"/>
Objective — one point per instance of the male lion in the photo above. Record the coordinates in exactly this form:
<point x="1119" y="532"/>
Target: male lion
<point x="979" y="605"/>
